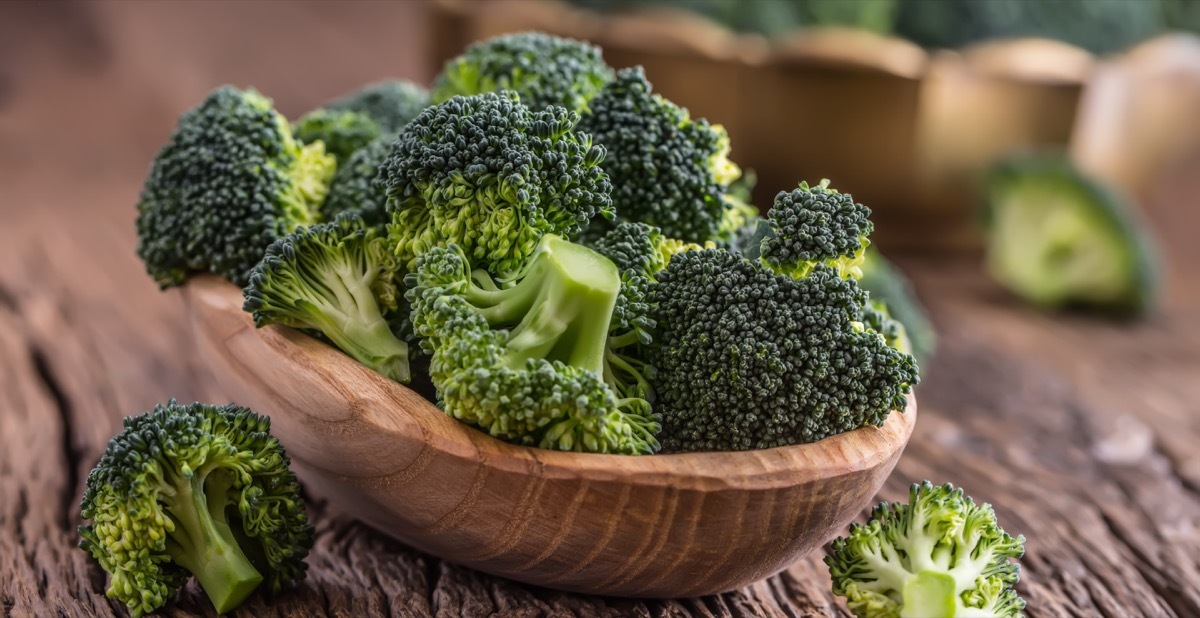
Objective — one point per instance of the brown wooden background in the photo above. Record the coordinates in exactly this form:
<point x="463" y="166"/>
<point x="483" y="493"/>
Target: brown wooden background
<point x="1084" y="433"/>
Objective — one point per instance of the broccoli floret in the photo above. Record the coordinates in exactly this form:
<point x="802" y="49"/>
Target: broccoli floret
<point x="1059" y="238"/>
<point x="196" y="489"/>
<point x="355" y="187"/>
<point x="938" y="555"/>
<point x="526" y="363"/>
<point x="544" y="70"/>
<point x="338" y="278"/>
<point x="342" y="131"/>
<point x="229" y="182"/>
<point x="816" y="225"/>
<point x="392" y="104"/>
<point x="888" y="285"/>
<point x="486" y="173"/>
<point x="667" y="170"/>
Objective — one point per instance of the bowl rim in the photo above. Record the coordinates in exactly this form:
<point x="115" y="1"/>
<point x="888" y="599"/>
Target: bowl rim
<point x="843" y="454"/>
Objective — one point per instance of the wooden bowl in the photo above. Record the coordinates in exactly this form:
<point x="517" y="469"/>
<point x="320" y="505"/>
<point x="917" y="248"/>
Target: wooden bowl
<point x="652" y="526"/>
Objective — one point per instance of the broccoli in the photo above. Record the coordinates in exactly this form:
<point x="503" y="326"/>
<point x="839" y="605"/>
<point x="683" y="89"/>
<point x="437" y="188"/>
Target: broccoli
<point x="392" y="104"/>
<point x="230" y="180"/>
<point x="544" y="70"/>
<point x="668" y="170"/>
<point x="488" y="174"/>
<point x="887" y="284"/>
<point x="938" y="555"/>
<point x="777" y="346"/>
<point x="197" y="489"/>
<point x="343" y="132"/>
<point x="355" y="187"/>
<point x="1058" y="238"/>
<point x="526" y="363"/>
<point x="338" y="278"/>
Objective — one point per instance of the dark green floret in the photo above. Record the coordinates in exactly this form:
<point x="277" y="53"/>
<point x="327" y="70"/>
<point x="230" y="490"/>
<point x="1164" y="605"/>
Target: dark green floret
<point x="338" y="278"/>
<point x="356" y="188"/>
<point x="491" y="176"/>
<point x="938" y="555"/>
<point x="526" y="363"/>
<point x="195" y="489"/>
<point x="230" y="180"/>
<point x="342" y="131"/>
<point x="816" y="225"/>
<point x="544" y="70"/>
<point x="1059" y="238"/>
<point x="667" y="170"/>
<point x="390" y="103"/>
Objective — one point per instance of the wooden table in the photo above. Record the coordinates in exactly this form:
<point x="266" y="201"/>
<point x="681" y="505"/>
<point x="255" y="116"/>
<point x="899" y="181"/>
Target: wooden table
<point x="1082" y="432"/>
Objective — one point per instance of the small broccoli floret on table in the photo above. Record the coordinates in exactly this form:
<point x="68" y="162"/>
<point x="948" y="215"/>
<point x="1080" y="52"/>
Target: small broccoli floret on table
<point x="668" y="170"/>
<point x="543" y="69"/>
<point x="939" y="555"/>
<point x="338" y="278"/>
<point x="356" y="188"/>
<point x="195" y="489"/>
<point x="491" y="176"/>
<point x="1059" y="238"/>
<point x="526" y="363"/>
<point x="343" y="132"/>
<point x="230" y="180"/>
<point x="392" y="104"/>
<point x="816" y="225"/>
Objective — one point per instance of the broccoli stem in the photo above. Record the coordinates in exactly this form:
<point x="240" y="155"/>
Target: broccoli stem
<point x="204" y="543"/>
<point x="368" y="340"/>
<point x="930" y="593"/>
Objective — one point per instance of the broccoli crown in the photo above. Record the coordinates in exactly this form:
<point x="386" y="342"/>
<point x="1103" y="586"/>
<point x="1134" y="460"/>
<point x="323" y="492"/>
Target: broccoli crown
<point x="748" y="359"/>
<point x="668" y="170"/>
<point x="197" y="489"/>
<point x="390" y="103"/>
<point x="544" y="70"/>
<point x="1059" y="238"/>
<point x="816" y="225"/>
<point x="342" y="131"/>
<point x="887" y="284"/>
<point x="339" y="278"/>
<point x="526" y="363"/>
<point x="230" y="180"/>
<point x="355" y="187"/>
<point x="486" y="173"/>
<point x="938" y="555"/>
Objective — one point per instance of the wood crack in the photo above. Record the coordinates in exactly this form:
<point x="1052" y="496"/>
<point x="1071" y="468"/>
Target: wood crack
<point x="68" y="500"/>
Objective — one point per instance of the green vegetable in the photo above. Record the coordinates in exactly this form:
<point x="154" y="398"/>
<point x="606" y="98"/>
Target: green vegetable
<point x="527" y="363"/>
<point x="544" y="70"/>
<point x="940" y="555"/>
<point x="1058" y="238"/>
<point x="355" y="187"/>
<point x="491" y="176"/>
<point x="343" y="132"/>
<point x="196" y="489"/>
<point x="230" y="180"/>
<point x="816" y="225"/>
<point x="338" y="278"/>
<point x="392" y="104"/>
<point x="888" y="285"/>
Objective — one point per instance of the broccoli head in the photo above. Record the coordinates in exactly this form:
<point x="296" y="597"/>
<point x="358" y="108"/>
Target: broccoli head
<point x="1058" y="238"/>
<point x="338" y="278"/>
<point x="816" y="225"/>
<point x="196" y="489"/>
<point x="230" y="180"/>
<point x="390" y="103"/>
<point x="355" y="187"/>
<point x="343" y="132"/>
<point x="489" y="175"/>
<point x="526" y="363"/>
<point x="668" y="170"/>
<point x="938" y="555"/>
<point x="544" y="70"/>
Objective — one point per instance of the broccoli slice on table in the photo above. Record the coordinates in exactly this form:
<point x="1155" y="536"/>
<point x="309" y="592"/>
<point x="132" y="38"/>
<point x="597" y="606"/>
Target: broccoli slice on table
<point x="231" y="179"/>
<point x="195" y="489"/>
<point x="1058" y="238"/>
<point x="338" y="278"/>
<point x="526" y="363"/>
<point x="939" y="555"/>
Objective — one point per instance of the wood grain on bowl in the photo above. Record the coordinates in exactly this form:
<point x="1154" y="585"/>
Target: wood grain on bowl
<point x="653" y="526"/>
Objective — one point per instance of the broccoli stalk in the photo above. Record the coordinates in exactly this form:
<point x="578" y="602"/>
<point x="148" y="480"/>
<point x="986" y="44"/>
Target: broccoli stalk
<point x="938" y="555"/>
<point x="339" y="278"/>
<point x="195" y="489"/>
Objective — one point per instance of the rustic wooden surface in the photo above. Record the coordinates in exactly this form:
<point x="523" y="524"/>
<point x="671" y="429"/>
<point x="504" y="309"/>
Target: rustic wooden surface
<point x="1082" y="432"/>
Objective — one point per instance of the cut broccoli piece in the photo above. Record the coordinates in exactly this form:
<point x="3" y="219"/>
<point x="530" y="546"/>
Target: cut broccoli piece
<point x="489" y="175"/>
<point x="343" y="132"/>
<point x="355" y="187"/>
<point x="544" y="70"/>
<point x="392" y="104"/>
<point x="526" y="363"/>
<point x="1059" y="238"/>
<point x="229" y="182"/>
<point x="817" y="225"/>
<point x="668" y="170"/>
<point x="196" y="489"/>
<point x="938" y="555"/>
<point x="338" y="278"/>
<point x="888" y="285"/>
